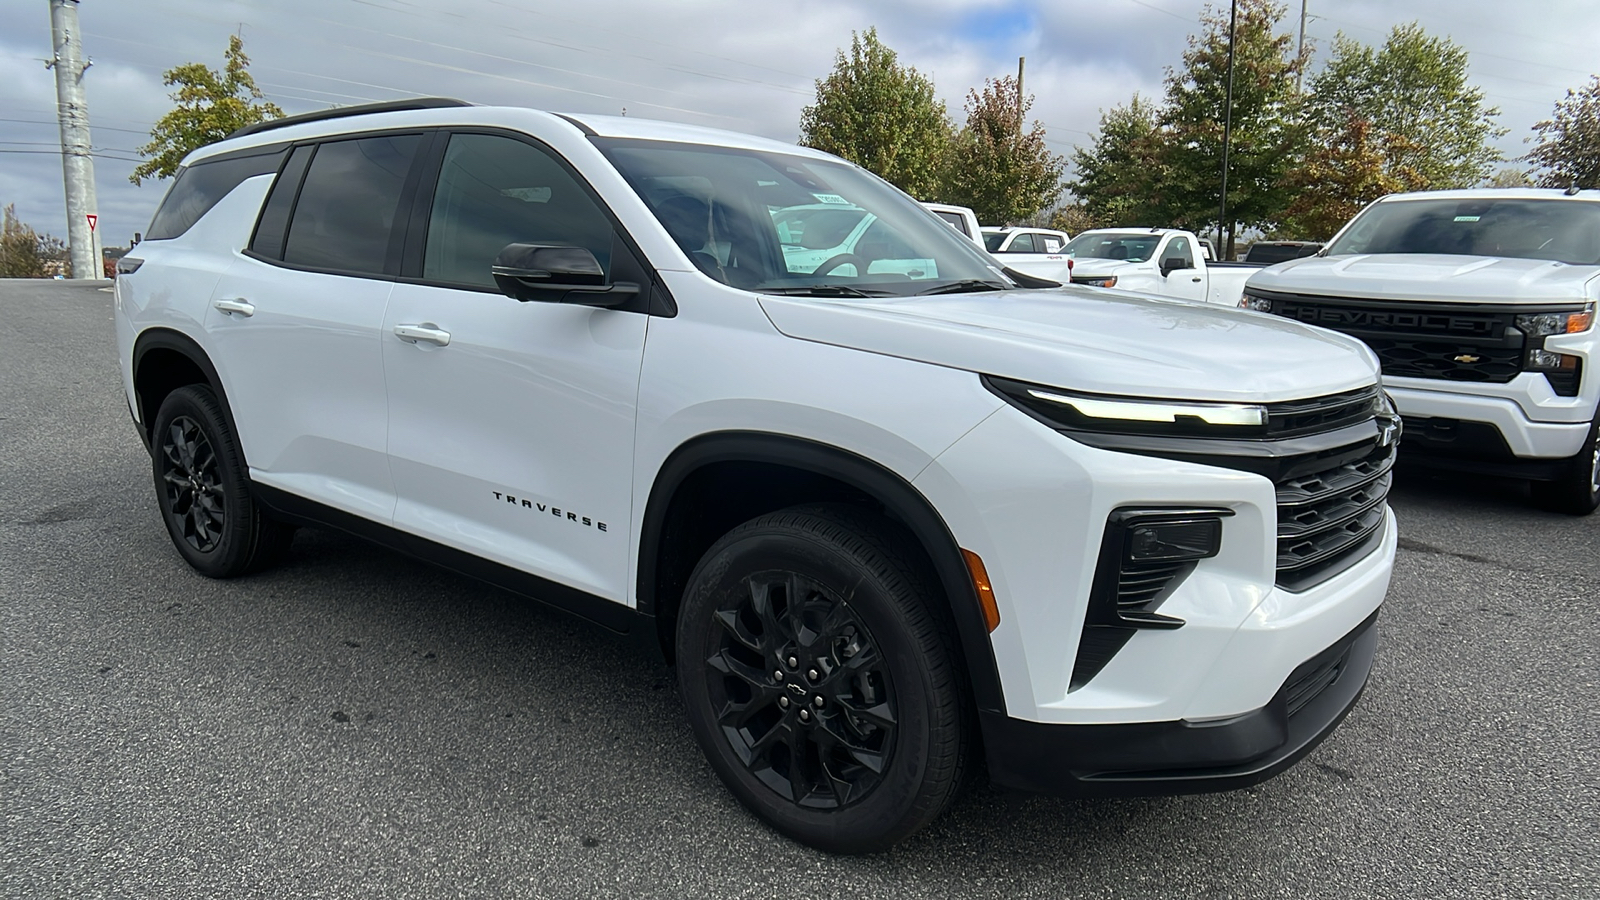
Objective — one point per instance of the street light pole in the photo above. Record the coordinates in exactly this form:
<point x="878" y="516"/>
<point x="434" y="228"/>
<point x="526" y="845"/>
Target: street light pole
<point x="1227" y="132"/>
<point x="76" y="164"/>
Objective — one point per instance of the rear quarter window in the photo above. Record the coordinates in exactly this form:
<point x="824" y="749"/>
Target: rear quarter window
<point x="202" y="186"/>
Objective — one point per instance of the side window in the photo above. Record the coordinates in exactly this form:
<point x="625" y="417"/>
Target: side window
<point x="1180" y="249"/>
<point x="1022" y="244"/>
<point x="347" y="206"/>
<point x="495" y="191"/>
<point x="200" y="187"/>
<point x="273" y="226"/>
<point x="1052" y="244"/>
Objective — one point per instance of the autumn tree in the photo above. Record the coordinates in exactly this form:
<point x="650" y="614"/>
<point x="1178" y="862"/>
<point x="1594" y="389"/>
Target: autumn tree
<point x="1414" y="87"/>
<point x="211" y="106"/>
<point x="1343" y="172"/>
<point x="1120" y="179"/>
<point x="25" y="253"/>
<point x="1568" y="151"/>
<point x="997" y="165"/>
<point x="1265" y="136"/>
<point x="880" y="115"/>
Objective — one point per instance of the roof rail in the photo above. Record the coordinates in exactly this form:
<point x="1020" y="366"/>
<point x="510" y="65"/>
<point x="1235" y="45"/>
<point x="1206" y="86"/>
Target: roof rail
<point x="339" y="112"/>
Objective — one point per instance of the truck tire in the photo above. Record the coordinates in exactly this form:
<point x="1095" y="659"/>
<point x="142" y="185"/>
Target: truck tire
<point x="1577" y="490"/>
<point x="203" y="489"/>
<point x="821" y="686"/>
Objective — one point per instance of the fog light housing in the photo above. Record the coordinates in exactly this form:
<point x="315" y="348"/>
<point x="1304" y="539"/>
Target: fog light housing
<point x="1174" y="541"/>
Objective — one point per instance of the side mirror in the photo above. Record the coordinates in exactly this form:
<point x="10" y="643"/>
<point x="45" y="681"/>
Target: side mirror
<point x="557" y="273"/>
<point x="1174" y="263"/>
<point x="137" y="237"/>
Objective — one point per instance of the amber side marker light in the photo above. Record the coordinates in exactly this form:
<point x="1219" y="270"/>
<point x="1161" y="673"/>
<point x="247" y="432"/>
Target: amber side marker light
<point x="980" y="582"/>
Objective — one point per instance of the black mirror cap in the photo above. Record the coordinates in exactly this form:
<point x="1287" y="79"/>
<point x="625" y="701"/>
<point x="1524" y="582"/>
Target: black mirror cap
<point x="557" y="273"/>
<point x="1174" y="263"/>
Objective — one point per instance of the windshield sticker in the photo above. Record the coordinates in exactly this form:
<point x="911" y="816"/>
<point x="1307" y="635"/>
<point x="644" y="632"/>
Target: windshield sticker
<point x="1468" y="218"/>
<point x="831" y="198"/>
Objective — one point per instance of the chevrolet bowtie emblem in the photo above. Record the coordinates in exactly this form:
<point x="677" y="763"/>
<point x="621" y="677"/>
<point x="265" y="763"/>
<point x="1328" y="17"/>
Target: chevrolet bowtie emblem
<point x="1467" y="358"/>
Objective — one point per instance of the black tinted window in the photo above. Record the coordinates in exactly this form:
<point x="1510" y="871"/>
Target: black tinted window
<point x="274" y="224"/>
<point x="1180" y="250"/>
<point x="495" y="191"/>
<point x="200" y="187"/>
<point x="346" y="209"/>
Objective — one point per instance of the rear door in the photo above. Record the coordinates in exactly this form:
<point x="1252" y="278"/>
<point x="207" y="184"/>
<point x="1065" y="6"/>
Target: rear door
<point x="295" y="323"/>
<point x="511" y="423"/>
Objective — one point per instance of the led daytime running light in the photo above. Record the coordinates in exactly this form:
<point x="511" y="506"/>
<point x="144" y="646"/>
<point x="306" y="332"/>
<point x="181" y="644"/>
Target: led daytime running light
<point x="1137" y="411"/>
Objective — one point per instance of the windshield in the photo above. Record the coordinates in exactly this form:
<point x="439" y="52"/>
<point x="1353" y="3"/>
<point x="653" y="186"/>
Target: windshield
<point x="1525" y="228"/>
<point x="776" y="222"/>
<point x="1130" y="246"/>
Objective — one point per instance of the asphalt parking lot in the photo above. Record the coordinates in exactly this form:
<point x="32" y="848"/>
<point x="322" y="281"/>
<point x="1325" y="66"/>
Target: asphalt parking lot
<point x="355" y="724"/>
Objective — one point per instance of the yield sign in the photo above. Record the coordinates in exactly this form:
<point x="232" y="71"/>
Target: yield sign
<point x="93" y="221"/>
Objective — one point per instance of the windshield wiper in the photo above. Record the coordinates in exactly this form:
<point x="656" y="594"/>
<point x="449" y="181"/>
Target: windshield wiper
<point x="822" y="290"/>
<point x="964" y="286"/>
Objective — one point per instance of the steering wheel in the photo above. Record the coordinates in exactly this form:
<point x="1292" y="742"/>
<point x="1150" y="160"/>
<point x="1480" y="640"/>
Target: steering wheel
<point x="840" y="259"/>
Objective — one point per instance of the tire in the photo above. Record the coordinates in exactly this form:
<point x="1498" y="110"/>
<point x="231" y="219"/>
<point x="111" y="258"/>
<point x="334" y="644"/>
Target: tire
<point x="203" y="489"/>
<point x="1577" y="491"/>
<point x="809" y="635"/>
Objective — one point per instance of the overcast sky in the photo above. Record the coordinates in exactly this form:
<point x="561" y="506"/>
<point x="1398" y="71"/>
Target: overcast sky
<point x="747" y="66"/>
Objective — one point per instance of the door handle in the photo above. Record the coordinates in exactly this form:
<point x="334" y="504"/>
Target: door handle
<point x="411" y="334"/>
<point x="1196" y="280"/>
<point x="238" y="306"/>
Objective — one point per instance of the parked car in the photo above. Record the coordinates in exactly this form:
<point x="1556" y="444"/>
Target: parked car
<point x="1033" y="251"/>
<point x="1481" y="305"/>
<point x="890" y="526"/>
<point x="961" y="218"/>
<point x="820" y="238"/>
<point x="1269" y="252"/>
<point x="1160" y="261"/>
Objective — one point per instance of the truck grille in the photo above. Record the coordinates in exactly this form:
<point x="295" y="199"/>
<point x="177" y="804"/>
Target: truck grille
<point x="1419" y="340"/>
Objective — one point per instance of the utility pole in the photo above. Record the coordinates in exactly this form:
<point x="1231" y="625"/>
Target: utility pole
<point x="1300" y="51"/>
<point x="83" y="211"/>
<point x="1225" y="252"/>
<point x="1021" y="60"/>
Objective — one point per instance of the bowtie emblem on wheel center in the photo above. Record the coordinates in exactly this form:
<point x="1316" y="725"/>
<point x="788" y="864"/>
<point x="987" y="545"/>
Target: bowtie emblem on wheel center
<point x="797" y="690"/>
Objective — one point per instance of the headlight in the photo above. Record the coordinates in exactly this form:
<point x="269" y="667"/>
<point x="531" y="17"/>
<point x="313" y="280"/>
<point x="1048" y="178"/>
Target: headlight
<point x="1548" y="323"/>
<point x="1259" y="304"/>
<point x="1110" y="281"/>
<point x="1103" y="414"/>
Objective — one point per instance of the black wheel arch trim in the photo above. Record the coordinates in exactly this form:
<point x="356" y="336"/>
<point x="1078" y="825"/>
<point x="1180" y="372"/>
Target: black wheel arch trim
<point x="896" y="495"/>
<point x="185" y="346"/>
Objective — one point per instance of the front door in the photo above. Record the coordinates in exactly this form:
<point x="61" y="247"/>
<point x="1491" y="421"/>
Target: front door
<point x="511" y="423"/>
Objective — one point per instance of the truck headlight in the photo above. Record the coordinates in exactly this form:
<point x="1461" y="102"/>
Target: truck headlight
<point x="1545" y="324"/>
<point x="1105" y="414"/>
<point x="1109" y="281"/>
<point x="1253" y="302"/>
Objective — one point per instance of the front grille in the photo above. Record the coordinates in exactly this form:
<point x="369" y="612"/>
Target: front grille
<point x="1326" y="518"/>
<point x="1420" y="340"/>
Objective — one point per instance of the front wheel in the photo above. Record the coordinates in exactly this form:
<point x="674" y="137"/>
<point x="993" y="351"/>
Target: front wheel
<point x="203" y="489"/>
<point x="1577" y="490"/>
<point x="819" y="682"/>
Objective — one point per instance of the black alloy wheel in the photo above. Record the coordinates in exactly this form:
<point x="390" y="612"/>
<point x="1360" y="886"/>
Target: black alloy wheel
<point x="820" y="677"/>
<point x="801" y="691"/>
<point x="194" y="488"/>
<point x="203" y="489"/>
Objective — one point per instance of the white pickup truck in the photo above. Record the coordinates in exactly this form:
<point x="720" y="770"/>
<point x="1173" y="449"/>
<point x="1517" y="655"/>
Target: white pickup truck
<point x="1163" y="261"/>
<point x="1481" y="306"/>
<point x="1039" y="252"/>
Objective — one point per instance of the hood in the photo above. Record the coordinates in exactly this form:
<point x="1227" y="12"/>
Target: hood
<point x="1093" y="340"/>
<point x="1423" y="276"/>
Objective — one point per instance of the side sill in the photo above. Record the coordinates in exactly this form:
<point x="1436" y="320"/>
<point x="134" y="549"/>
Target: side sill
<point x="613" y="617"/>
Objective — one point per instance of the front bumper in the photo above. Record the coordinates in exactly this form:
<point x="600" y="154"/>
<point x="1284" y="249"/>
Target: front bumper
<point x="1431" y="409"/>
<point x="1182" y="756"/>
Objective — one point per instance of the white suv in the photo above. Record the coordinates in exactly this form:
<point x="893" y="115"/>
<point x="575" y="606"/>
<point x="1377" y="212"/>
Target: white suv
<point x="888" y="521"/>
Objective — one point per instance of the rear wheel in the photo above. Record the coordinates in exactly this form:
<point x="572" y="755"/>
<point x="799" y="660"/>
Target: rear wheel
<point x="203" y="489"/>
<point x="819" y="683"/>
<point x="1577" y="491"/>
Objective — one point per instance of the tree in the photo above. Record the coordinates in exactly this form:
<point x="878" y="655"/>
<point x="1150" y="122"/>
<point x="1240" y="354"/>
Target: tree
<point x="880" y="115"/>
<point x="1510" y="177"/>
<point x="1121" y="177"/>
<point x="1004" y="173"/>
<point x="1568" y="151"/>
<point x="1414" y="87"/>
<point x="1344" y="172"/>
<point x="1265" y="138"/>
<point x="24" y="253"/>
<point x="210" y="107"/>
